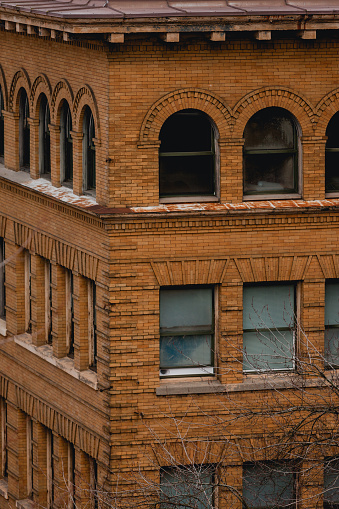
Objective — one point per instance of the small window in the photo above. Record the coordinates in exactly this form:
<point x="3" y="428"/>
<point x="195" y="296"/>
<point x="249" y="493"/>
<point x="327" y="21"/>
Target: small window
<point x="186" y="332"/>
<point x="28" y="292"/>
<point x="271" y="153"/>
<point x="187" y="155"/>
<point x="268" y="485"/>
<point x="92" y="325"/>
<point x="4" y="454"/>
<point x="88" y="151"/>
<point x="332" y="324"/>
<point x="24" y="132"/>
<point x="29" y="445"/>
<point x="332" y="155"/>
<point x="50" y="469"/>
<point x="66" y="145"/>
<point x="2" y="129"/>
<point x="191" y="487"/>
<point x="331" y="484"/>
<point x="69" y="313"/>
<point x="44" y="138"/>
<point x="48" y="302"/>
<point x="268" y="327"/>
<point x="2" y="280"/>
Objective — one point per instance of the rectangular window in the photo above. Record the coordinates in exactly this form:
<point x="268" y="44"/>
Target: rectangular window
<point x="70" y="475"/>
<point x="186" y="332"/>
<point x="2" y="280"/>
<point x="4" y="456"/>
<point x="187" y="487"/>
<point x="29" y="443"/>
<point x="93" y="482"/>
<point x="268" y="327"/>
<point x="48" y="301"/>
<point x="69" y="313"/>
<point x="331" y="353"/>
<point x="28" y="292"/>
<point x="92" y="325"/>
<point x="268" y="485"/>
<point x="331" y="484"/>
<point x="50" y="469"/>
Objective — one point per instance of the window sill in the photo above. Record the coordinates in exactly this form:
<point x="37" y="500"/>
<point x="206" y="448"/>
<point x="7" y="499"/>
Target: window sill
<point x="334" y="194"/>
<point x="45" y="352"/>
<point x="189" y="199"/>
<point x="189" y="386"/>
<point x="25" y="503"/>
<point x="271" y="197"/>
<point x="3" y="330"/>
<point x="4" y="488"/>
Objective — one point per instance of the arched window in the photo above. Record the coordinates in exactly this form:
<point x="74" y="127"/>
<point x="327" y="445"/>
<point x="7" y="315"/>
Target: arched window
<point x="24" y="137"/>
<point x="271" y="153"/>
<point x="332" y="155"/>
<point x="66" y="144"/>
<point x="88" y="151"/>
<point x="44" y="137"/>
<point x="187" y="156"/>
<point x="2" y="132"/>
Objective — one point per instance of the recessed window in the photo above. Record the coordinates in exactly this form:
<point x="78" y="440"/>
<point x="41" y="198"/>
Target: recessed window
<point x="24" y="131"/>
<point x="2" y="131"/>
<point x="271" y="153"/>
<point x="268" y="485"/>
<point x="2" y="280"/>
<point x="88" y="151"/>
<point x="186" y="332"/>
<point x="332" y="155"/>
<point x="268" y="327"/>
<point x="332" y="324"/>
<point x="190" y="487"/>
<point x="44" y="138"/>
<point x="69" y="283"/>
<point x="331" y="484"/>
<point x="187" y="155"/>
<point x="66" y="145"/>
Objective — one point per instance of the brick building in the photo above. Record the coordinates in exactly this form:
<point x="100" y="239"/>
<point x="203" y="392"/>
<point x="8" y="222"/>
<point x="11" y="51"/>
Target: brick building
<point x="167" y="169"/>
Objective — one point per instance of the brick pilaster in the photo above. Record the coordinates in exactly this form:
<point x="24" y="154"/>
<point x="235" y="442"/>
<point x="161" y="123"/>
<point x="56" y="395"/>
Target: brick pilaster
<point x="38" y="299"/>
<point x="59" y="311"/>
<point x="11" y="140"/>
<point x="55" y="154"/>
<point x="81" y="354"/>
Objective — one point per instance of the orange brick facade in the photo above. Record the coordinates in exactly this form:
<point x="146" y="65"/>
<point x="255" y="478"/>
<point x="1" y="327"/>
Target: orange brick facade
<point x="102" y="423"/>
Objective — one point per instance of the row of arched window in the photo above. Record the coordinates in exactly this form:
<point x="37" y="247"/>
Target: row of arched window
<point x="66" y="142"/>
<point x="188" y="159"/>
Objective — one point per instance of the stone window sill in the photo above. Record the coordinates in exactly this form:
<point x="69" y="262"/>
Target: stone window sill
<point x="45" y="352"/>
<point x="4" y="488"/>
<point x="271" y="197"/>
<point x="25" y="503"/>
<point x="189" y="199"/>
<point x="3" y="330"/>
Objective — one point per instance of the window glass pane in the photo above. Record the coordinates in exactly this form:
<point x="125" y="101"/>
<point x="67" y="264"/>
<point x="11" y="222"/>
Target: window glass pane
<point x="271" y="172"/>
<point x="270" y="128"/>
<point x="331" y="482"/>
<point x="332" y="346"/>
<point x="186" y="489"/>
<point x="332" y="171"/>
<point x="186" y="131"/>
<point x="186" y="308"/>
<point x="332" y="304"/>
<point x="332" y="132"/>
<point x="185" y="351"/>
<point x="267" y="485"/>
<point x="186" y="175"/>
<point x="268" y="307"/>
<point x="268" y="350"/>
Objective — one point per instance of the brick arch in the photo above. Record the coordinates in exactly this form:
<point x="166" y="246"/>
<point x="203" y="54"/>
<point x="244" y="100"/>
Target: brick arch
<point x="266" y="97"/>
<point x="85" y="97"/>
<point x="62" y="91"/>
<point x="3" y="85"/>
<point x="40" y="86"/>
<point x="180" y="100"/>
<point x="326" y="108"/>
<point x="20" y="80"/>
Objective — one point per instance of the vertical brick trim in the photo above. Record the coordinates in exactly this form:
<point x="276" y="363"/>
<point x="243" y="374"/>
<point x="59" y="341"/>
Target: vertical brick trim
<point x="54" y="131"/>
<point x="34" y="147"/>
<point x="82" y="479"/>
<point x="59" y="310"/>
<point x="15" y="289"/>
<point x="38" y="300"/>
<point x="231" y="179"/>
<point x="60" y="470"/>
<point x="17" y="452"/>
<point x="11" y="140"/>
<point x="81" y="333"/>
<point x="40" y="464"/>
<point x="77" y="138"/>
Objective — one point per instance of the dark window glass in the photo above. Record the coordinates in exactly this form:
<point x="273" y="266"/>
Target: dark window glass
<point x="2" y="107"/>
<point x="88" y="150"/>
<point x="44" y="137"/>
<point x="270" y="153"/>
<point x="24" y="131"/>
<point x="66" y="143"/>
<point x="331" y="484"/>
<point x="2" y="280"/>
<point x="187" y="488"/>
<point x="187" y="155"/>
<point x="332" y="155"/>
<point x="332" y="324"/>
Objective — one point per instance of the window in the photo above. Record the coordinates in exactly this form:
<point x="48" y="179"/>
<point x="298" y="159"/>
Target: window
<point x="92" y="325"/>
<point x="186" y="332"/>
<point x="187" y="487"/>
<point x="331" y="484"/>
<point x="2" y="130"/>
<point x="187" y="156"/>
<point x="271" y="153"/>
<point x="2" y="281"/>
<point x="4" y="455"/>
<point x="71" y="475"/>
<point x="69" y="313"/>
<point x="48" y="301"/>
<point x="268" y="485"/>
<point x="44" y="137"/>
<point x="332" y="155"/>
<point x="268" y="327"/>
<point x="93" y="483"/>
<point x="332" y="324"/>
<point x="50" y="469"/>
<point x="28" y="292"/>
<point x="24" y="132"/>
<point x="29" y="444"/>
<point x="66" y="144"/>
<point x="88" y="151"/>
